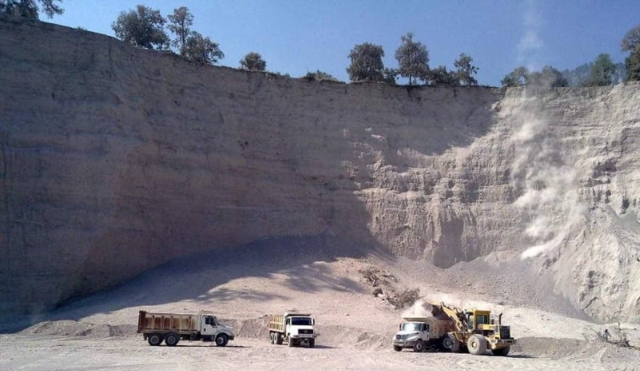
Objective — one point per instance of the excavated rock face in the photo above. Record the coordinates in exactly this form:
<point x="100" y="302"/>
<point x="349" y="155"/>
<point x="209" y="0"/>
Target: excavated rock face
<point x="115" y="160"/>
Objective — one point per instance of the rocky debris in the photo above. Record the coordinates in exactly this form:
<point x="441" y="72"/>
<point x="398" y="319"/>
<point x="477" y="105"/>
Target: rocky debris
<point x="385" y="288"/>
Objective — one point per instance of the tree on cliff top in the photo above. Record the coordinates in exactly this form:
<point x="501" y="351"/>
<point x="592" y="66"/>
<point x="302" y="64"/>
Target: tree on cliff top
<point x="253" y="62"/>
<point x="602" y="71"/>
<point x="29" y="8"/>
<point x="413" y="59"/>
<point x="179" y="24"/>
<point x="549" y="77"/>
<point x="143" y="27"/>
<point x="366" y="63"/>
<point x="465" y="70"/>
<point x="631" y="43"/>
<point x="518" y="77"/>
<point x="319" y="76"/>
<point x="442" y="76"/>
<point x="201" y="49"/>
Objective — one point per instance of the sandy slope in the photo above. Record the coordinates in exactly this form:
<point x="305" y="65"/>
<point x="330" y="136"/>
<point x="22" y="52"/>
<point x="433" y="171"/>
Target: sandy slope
<point x="98" y="332"/>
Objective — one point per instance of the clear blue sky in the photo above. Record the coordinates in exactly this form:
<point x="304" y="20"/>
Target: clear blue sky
<point x="296" y="36"/>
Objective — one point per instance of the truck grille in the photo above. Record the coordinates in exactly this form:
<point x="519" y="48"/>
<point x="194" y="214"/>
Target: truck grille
<point x="505" y="332"/>
<point x="309" y="332"/>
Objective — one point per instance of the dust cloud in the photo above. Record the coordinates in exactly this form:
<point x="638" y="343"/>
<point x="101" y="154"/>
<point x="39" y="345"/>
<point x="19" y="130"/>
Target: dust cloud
<point x="418" y="309"/>
<point x="545" y="178"/>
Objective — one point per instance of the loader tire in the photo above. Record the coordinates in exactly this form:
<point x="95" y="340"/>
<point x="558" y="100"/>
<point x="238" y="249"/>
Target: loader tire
<point x="477" y="345"/>
<point x="451" y="343"/>
<point x="501" y="352"/>
<point x="418" y="346"/>
<point x="172" y="339"/>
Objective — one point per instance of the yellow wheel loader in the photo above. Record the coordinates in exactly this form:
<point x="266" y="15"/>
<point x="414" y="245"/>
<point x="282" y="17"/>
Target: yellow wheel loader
<point x="475" y="331"/>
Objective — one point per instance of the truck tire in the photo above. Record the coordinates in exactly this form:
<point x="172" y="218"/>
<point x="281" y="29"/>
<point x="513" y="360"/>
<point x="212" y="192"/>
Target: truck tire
<point x="278" y="338"/>
<point x="418" y="346"/>
<point x="312" y="343"/>
<point x="172" y="339"/>
<point x="222" y="340"/>
<point x="397" y="348"/>
<point x="272" y="337"/>
<point x="501" y="352"/>
<point x="451" y="343"/>
<point x="291" y="342"/>
<point x="154" y="339"/>
<point x="477" y="344"/>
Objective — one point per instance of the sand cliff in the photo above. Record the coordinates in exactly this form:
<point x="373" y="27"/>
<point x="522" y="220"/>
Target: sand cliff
<point x="114" y="160"/>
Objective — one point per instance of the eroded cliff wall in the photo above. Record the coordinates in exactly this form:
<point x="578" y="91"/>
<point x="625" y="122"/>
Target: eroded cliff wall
<point x="115" y="160"/>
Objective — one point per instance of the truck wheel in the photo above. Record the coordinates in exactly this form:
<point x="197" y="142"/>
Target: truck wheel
<point x="477" y="345"/>
<point x="172" y="339"/>
<point x="397" y="348"/>
<point x="272" y="337"/>
<point x="418" y="346"/>
<point x="451" y="343"/>
<point x="501" y="352"/>
<point x="291" y="343"/>
<point x="154" y="339"/>
<point x="278" y="338"/>
<point x="312" y="343"/>
<point x="222" y="340"/>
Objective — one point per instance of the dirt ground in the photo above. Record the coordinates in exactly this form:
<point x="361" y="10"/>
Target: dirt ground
<point x="355" y="327"/>
<point x="28" y="352"/>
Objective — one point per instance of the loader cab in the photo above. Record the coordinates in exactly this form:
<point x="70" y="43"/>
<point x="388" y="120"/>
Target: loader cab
<point x="477" y="318"/>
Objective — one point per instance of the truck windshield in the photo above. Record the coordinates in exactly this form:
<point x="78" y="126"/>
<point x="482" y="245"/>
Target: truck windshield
<point x="301" y="321"/>
<point x="411" y="326"/>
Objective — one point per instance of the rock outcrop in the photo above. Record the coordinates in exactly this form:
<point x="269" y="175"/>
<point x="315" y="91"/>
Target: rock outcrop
<point x="116" y="159"/>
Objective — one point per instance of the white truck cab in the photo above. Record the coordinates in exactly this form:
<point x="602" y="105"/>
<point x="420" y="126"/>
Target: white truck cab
<point x="422" y="333"/>
<point x="294" y="328"/>
<point x="414" y="335"/>
<point x="210" y="326"/>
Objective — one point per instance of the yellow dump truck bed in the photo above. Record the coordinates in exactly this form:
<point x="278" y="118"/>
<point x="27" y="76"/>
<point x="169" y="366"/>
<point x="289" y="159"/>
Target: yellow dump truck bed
<point x="276" y="323"/>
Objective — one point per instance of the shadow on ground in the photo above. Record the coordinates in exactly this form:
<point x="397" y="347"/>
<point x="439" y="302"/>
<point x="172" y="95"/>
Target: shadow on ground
<point x="197" y="276"/>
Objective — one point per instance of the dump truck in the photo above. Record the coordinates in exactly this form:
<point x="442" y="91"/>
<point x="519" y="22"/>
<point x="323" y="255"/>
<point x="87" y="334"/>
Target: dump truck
<point x="455" y="330"/>
<point x="292" y="328"/>
<point x="173" y="327"/>
<point x="421" y="333"/>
